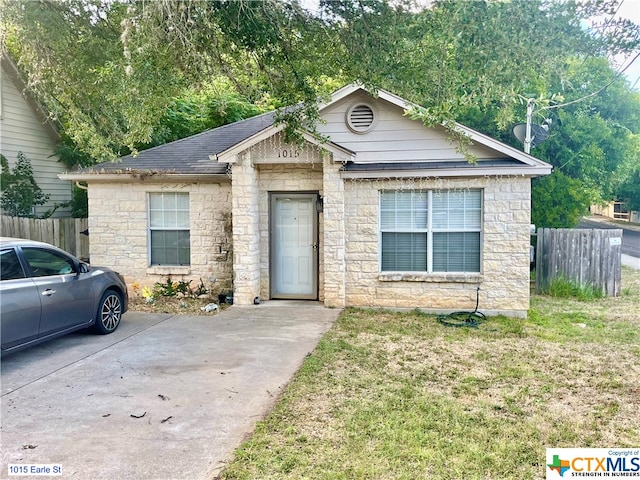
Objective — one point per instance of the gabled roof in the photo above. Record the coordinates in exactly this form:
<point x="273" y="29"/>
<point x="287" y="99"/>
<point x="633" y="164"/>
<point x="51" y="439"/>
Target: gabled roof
<point x="191" y="155"/>
<point x="210" y="152"/>
<point x="40" y="112"/>
<point x="474" y="135"/>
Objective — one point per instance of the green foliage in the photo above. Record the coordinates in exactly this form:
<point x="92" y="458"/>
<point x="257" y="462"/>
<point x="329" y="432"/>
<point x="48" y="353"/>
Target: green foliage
<point x="181" y="288"/>
<point x="79" y="203"/>
<point x="564" y="288"/>
<point x="20" y="192"/>
<point x="627" y="178"/>
<point x="559" y="201"/>
<point x="123" y="76"/>
<point x="198" y="109"/>
<point x="629" y="190"/>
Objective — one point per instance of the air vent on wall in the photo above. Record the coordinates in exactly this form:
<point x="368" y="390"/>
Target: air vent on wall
<point x="361" y="118"/>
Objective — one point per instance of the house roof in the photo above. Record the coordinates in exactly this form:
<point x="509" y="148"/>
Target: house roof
<point x="210" y="152"/>
<point x="191" y="155"/>
<point x="40" y="112"/>
<point x="474" y="135"/>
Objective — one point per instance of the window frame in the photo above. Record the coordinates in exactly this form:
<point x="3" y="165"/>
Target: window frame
<point x="64" y="259"/>
<point x="16" y="254"/>
<point x="151" y="228"/>
<point x="430" y="230"/>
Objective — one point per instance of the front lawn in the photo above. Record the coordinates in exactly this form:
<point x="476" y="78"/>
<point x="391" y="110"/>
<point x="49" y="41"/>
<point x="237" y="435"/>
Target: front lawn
<point x="399" y="396"/>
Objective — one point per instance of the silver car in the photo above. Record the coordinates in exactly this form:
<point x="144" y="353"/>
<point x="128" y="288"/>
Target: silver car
<point x="46" y="292"/>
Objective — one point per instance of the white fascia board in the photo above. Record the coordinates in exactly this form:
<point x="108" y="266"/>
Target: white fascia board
<point x="448" y="172"/>
<point x="340" y="154"/>
<point x="230" y="154"/>
<point x="340" y="94"/>
<point x="143" y="176"/>
<point x="494" y="144"/>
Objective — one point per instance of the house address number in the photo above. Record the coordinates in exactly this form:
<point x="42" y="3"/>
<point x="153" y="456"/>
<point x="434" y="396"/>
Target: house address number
<point x="288" y="153"/>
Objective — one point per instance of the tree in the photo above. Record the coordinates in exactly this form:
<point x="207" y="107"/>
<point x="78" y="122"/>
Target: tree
<point x="125" y="75"/>
<point x="20" y="192"/>
<point x="559" y="201"/>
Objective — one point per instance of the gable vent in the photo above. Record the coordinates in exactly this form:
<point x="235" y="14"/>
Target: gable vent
<point x="361" y="118"/>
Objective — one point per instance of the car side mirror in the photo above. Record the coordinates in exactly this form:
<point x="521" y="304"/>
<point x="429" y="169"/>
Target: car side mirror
<point x="84" y="267"/>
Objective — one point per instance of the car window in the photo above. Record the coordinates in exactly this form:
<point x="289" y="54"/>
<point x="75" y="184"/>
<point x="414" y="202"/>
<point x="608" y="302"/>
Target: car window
<point x="10" y="267"/>
<point x="45" y="262"/>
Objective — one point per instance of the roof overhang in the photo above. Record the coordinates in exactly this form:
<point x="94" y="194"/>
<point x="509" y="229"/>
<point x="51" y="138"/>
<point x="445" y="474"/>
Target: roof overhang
<point x="230" y="155"/>
<point x="445" y="172"/>
<point x="340" y="154"/>
<point x="159" y="177"/>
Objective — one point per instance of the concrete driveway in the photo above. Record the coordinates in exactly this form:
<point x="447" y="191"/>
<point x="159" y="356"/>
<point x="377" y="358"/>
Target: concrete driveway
<point x="164" y="397"/>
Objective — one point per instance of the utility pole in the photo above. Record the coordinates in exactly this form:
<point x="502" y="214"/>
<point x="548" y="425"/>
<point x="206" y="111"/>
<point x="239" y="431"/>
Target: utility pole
<point x="527" y="135"/>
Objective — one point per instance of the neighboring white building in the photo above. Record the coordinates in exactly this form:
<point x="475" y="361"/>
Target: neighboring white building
<point x="386" y="213"/>
<point x="26" y="127"/>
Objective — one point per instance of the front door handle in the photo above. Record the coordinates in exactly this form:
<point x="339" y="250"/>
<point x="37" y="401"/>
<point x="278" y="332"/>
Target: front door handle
<point x="314" y="246"/>
<point x="48" y="292"/>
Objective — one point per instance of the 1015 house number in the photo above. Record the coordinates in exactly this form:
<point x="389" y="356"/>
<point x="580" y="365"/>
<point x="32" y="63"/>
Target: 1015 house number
<point x="288" y="153"/>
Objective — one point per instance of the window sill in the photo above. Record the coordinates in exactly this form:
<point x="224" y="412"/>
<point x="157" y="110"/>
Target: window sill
<point x="169" y="270"/>
<point x="431" y="277"/>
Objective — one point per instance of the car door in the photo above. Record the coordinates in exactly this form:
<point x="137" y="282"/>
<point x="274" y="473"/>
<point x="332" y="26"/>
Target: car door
<point x="20" y="301"/>
<point x="66" y="295"/>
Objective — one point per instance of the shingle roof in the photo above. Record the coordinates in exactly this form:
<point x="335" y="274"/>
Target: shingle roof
<point x="189" y="155"/>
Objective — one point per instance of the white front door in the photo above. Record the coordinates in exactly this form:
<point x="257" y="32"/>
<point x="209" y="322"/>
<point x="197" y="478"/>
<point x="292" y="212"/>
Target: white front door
<point x="294" y="246"/>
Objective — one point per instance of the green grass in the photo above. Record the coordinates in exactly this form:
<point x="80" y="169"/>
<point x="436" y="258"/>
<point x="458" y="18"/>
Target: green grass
<point x="399" y="396"/>
<point x="563" y="288"/>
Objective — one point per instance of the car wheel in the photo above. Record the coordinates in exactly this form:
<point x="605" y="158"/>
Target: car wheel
<point x="109" y="313"/>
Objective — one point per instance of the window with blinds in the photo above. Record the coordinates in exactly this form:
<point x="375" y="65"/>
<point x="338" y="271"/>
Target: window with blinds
<point x="169" y="234"/>
<point x="430" y="231"/>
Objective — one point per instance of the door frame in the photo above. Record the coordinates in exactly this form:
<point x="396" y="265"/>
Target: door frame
<point x="273" y="197"/>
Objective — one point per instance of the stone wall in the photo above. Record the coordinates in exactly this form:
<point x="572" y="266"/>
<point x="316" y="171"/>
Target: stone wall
<point x="336" y="235"/>
<point x="118" y="232"/>
<point x="503" y="282"/>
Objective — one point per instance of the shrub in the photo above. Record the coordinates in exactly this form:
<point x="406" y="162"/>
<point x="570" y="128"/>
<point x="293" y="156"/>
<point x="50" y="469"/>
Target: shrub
<point x="20" y="192"/>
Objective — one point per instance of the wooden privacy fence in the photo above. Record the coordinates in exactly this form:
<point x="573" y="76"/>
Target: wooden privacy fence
<point x="588" y="257"/>
<point x="61" y="232"/>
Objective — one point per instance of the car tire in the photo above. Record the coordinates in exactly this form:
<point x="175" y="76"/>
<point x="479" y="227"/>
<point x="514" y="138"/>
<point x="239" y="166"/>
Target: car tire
<point x="109" y="313"/>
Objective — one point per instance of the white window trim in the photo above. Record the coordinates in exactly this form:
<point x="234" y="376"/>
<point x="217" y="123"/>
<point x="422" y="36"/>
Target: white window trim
<point x="429" y="275"/>
<point x="150" y="229"/>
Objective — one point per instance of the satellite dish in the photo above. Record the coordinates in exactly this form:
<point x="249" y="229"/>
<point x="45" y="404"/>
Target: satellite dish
<point x="539" y="133"/>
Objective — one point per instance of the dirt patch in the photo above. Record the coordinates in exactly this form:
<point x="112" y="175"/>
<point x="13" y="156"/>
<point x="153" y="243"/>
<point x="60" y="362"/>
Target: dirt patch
<point x="177" y="306"/>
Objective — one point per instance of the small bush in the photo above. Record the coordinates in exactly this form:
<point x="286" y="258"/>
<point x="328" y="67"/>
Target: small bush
<point x="20" y="192"/>
<point x="169" y="288"/>
<point x="563" y="288"/>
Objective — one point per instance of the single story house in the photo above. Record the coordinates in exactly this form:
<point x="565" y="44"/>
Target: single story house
<point x="386" y="213"/>
<point x="25" y="126"/>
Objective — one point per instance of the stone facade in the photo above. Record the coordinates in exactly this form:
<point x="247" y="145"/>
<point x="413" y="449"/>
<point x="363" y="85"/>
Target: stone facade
<point x="503" y="282"/>
<point x="119" y="232"/>
<point x="349" y="271"/>
<point x="349" y="265"/>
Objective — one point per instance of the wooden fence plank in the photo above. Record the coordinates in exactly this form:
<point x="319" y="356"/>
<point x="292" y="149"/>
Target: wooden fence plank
<point x="61" y="232"/>
<point x="588" y="257"/>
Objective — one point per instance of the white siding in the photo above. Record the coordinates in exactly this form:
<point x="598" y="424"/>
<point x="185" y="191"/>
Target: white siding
<point x="21" y="131"/>
<point x="394" y="138"/>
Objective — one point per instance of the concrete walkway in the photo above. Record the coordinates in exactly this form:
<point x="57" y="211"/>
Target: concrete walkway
<point x="164" y="397"/>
